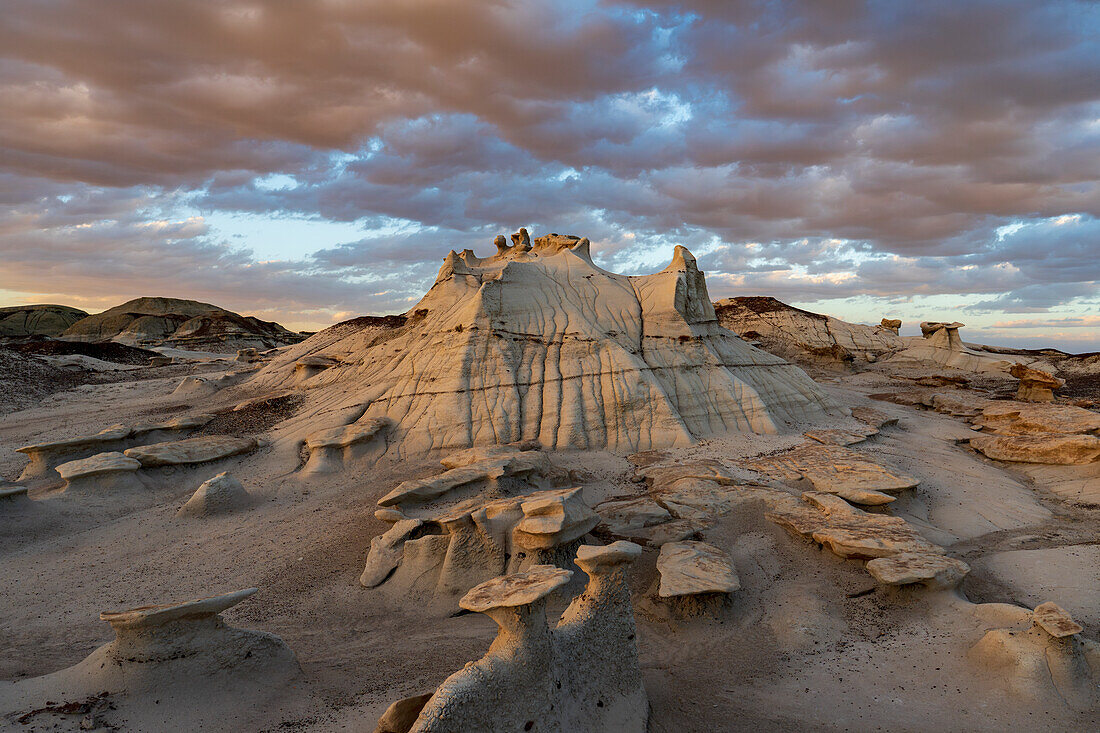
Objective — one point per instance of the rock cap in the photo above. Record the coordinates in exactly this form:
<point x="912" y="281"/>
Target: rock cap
<point x="517" y="589"/>
<point x="149" y="616"/>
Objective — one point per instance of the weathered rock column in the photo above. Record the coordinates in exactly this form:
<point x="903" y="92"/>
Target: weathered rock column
<point x="597" y="648"/>
<point x="512" y="687"/>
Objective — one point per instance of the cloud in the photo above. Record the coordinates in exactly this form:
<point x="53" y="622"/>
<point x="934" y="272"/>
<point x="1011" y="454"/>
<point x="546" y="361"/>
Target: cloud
<point x="804" y="149"/>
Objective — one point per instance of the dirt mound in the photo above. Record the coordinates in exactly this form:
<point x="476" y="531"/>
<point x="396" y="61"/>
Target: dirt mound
<point x="109" y="351"/>
<point x="25" y="380"/>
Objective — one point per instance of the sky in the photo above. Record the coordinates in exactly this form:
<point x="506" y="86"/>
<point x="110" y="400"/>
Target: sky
<point x="315" y="160"/>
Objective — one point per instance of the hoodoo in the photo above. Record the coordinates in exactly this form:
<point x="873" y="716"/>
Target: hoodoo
<point x="538" y="343"/>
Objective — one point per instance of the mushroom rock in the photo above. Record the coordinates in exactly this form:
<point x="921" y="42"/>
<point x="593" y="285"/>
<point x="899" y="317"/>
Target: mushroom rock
<point x="1047" y="663"/>
<point x="943" y="335"/>
<point x="1035" y="384"/>
<point x="44" y="457"/>
<point x="202" y="449"/>
<point x="552" y="522"/>
<point x="893" y="325"/>
<point x="219" y="495"/>
<point x="943" y="345"/>
<point x="179" y="648"/>
<point x="513" y="685"/>
<point x="596" y="646"/>
<point x="1050" y="448"/>
<point x="440" y="555"/>
<point x="538" y="343"/>
<point x="247" y="356"/>
<point x="695" y="576"/>
<point x="581" y="675"/>
<point x="101" y="473"/>
<point x="334" y="449"/>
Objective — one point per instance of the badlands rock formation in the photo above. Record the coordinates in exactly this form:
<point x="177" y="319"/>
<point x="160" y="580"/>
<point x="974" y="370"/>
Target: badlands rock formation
<point x="538" y="343"/>
<point x="1035" y="384"/>
<point x="44" y="457"/>
<point x="37" y="320"/>
<point x="488" y="515"/>
<point x="182" y="655"/>
<point x="582" y="675"/>
<point x="186" y="324"/>
<point x="942" y="345"/>
<point x="801" y="335"/>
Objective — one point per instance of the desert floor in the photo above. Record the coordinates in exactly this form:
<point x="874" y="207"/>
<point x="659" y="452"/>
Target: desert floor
<point x="808" y="643"/>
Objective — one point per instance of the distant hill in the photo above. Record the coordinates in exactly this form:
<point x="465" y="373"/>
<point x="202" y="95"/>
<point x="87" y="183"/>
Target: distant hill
<point x="183" y="324"/>
<point x="38" y="320"/>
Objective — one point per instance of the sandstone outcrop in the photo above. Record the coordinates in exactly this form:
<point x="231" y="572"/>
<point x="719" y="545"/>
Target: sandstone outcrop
<point x="1019" y="418"/>
<point x="497" y="473"/>
<point x="219" y="495"/>
<point x="582" y="675"/>
<point x="334" y="449"/>
<point x="1051" y="448"/>
<point x="1047" y="663"/>
<point x="852" y="533"/>
<point x="836" y="470"/>
<point x="538" y="343"/>
<point x="37" y="320"/>
<point x="929" y="569"/>
<point x="804" y="336"/>
<point x="876" y="419"/>
<point x="202" y="449"/>
<point x="1035" y="384"/>
<point x="185" y="324"/>
<point x="101" y="473"/>
<point x="11" y="494"/>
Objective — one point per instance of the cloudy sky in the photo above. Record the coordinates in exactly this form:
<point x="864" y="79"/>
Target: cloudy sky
<point x="313" y="160"/>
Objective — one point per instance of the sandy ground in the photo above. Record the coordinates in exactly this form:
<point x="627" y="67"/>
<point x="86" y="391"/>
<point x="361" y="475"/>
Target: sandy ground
<point x="808" y="644"/>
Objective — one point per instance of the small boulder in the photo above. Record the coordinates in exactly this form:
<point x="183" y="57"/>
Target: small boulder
<point x="927" y="568"/>
<point x="690" y="568"/>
